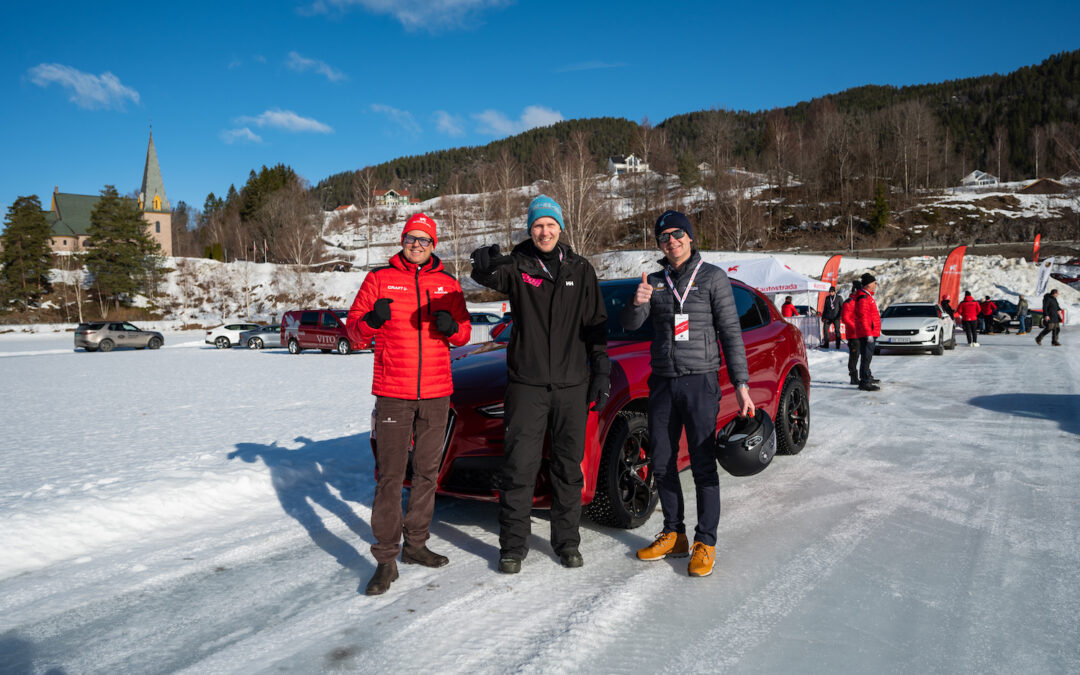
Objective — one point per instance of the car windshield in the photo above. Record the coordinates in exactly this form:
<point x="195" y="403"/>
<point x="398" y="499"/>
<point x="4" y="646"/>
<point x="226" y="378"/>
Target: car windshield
<point x="616" y="295"/>
<point x="903" y="311"/>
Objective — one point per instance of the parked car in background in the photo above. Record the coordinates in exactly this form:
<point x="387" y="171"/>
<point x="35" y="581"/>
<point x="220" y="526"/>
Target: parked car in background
<point x="322" y="329"/>
<point x="503" y="324"/>
<point x="916" y="326"/>
<point x="262" y="337"/>
<point x="228" y="335"/>
<point x="619" y="487"/>
<point x="106" y="336"/>
<point x="483" y="318"/>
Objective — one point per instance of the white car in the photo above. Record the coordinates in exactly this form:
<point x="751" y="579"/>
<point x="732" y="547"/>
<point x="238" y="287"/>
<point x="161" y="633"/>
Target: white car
<point x="916" y="326"/>
<point x="228" y="335"/>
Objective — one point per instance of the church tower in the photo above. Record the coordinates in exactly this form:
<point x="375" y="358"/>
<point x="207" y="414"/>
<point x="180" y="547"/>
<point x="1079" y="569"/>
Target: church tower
<point x="153" y="202"/>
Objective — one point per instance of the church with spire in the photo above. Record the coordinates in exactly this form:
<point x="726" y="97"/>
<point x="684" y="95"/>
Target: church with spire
<point x="69" y="213"/>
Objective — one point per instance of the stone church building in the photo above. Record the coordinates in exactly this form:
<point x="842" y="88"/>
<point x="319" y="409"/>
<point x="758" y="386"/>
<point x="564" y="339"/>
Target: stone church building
<point x="69" y="214"/>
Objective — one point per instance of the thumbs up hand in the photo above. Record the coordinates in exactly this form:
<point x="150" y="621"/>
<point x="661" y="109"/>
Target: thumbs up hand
<point x="644" y="291"/>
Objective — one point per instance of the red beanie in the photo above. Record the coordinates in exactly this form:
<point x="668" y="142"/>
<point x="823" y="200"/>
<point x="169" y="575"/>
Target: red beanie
<point x="423" y="223"/>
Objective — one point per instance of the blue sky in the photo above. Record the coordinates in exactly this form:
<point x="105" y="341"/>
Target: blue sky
<point x="332" y="85"/>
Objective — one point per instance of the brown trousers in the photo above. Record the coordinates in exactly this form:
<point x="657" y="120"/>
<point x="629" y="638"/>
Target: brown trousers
<point x="398" y="423"/>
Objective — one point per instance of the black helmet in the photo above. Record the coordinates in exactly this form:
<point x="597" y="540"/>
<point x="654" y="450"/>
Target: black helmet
<point x="747" y="444"/>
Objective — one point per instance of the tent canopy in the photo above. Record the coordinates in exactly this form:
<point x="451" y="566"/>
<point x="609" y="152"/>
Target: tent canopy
<point x="770" y="276"/>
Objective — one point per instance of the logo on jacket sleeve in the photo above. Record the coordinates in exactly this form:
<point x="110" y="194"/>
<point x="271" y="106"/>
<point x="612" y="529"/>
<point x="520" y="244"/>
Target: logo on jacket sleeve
<point x="529" y="279"/>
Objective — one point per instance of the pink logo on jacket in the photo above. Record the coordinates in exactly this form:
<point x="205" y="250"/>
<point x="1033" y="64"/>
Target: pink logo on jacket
<point x="531" y="280"/>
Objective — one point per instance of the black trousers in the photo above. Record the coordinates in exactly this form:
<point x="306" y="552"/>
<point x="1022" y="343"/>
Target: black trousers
<point x="1054" y="329"/>
<point x="971" y="331"/>
<point x="532" y="412"/>
<point x="867" y="354"/>
<point x="854" y="346"/>
<point x="825" y="323"/>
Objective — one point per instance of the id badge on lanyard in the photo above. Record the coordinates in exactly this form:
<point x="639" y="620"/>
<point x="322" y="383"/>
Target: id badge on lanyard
<point x="682" y="320"/>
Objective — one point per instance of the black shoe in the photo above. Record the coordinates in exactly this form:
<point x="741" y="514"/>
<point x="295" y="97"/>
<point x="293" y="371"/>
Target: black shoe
<point x="571" y="558"/>
<point x="874" y="380"/>
<point x="854" y="380"/>
<point x="1055" y="344"/>
<point x="385" y="574"/>
<point x="421" y="555"/>
<point x="1038" y="341"/>
<point x="869" y="387"/>
<point x="508" y="565"/>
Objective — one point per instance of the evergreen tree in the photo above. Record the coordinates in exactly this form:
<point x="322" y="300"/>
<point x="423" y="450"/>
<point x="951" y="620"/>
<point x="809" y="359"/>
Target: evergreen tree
<point x="879" y="218"/>
<point x="122" y="256"/>
<point x="26" y="257"/>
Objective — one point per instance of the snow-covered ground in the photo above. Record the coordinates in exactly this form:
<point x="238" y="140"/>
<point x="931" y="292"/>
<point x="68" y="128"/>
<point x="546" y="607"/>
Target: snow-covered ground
<point x="208" y="511"/>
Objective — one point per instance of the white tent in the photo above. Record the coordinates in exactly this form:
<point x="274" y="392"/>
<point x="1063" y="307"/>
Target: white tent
<point x="770" y="276"/>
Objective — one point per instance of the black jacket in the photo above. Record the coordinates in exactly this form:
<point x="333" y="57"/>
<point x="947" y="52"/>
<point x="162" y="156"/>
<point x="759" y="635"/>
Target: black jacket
<point x="1051" y="309"/>
<point x="831" y="310"/>
<point x="560" y="325"/>
<point x="710" y="305"/>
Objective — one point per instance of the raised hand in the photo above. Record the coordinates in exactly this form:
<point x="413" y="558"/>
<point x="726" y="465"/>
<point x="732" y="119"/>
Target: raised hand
<point x="644" y="291"/>
<point x="379" y="314"/>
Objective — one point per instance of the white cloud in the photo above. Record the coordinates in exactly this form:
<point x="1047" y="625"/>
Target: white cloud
<point x="403" y="118"/>
<point x="302" y="63"/>
<point x="413" y="14"/>
<point x="497" y="124"/>
<point x="87" y="91"/>
<point x="287" y="120"/>
<point x="245" y="134"/>
<point x="589" y="65"/>
<point x="451" y="125"/>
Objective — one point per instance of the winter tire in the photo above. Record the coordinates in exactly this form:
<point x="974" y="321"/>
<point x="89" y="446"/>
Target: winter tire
<point x="255" y="343"/>
<point x="154" y="343"/>
<point x="343" y="347"/>
<point x="626" y="493"/>
<point x="222" y="342"/>
<point x="939" y="349"/>
<point x="792" y="417"/>
<point x="294" y="347"/>
<point x="106" y="345"/>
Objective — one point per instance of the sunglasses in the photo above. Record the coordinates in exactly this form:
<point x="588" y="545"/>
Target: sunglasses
<point x="665" y="237"/>
<point x="423" y="241"/>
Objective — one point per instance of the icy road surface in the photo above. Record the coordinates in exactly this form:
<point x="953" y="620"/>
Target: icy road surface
<point x="207" y="511"/>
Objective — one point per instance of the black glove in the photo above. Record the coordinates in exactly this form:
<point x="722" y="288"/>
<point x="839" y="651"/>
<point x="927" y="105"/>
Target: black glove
<point x="487" y="258"/>
<point x="599" y="386"/>
<point x="379" y="314"/>
<point x="444" y="322"/>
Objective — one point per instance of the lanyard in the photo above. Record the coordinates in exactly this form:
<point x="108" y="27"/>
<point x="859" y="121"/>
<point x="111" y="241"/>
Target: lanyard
<point x="675" y="291"/>
<point x="550" y="275"/>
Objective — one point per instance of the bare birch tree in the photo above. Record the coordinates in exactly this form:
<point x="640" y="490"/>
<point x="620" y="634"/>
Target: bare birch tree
<point x="576" y="187"/>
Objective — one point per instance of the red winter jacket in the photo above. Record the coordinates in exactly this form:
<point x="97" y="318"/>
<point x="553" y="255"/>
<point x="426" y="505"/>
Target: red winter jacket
<point x="968" y="310"/>
<point x="847" y="315"/>
<point x="412" y="359"/>
<point x="788" y="309"/>
<point x="987" y="308"/>
<point x="867" y="318"/>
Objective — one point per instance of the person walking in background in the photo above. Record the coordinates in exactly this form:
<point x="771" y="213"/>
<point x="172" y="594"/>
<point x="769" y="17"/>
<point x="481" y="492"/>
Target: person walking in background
<point x="692" y="307"/>
<point x="1023" y="314"/>
<point x="986" y="315"/>
<point x="968" y="311"/>
<point x="557" y="367"/>
<point x="868" y="325"/>
<point x="413" y="309"/>
<point x="854" y="342"/>
<point x="788" y="309"/>
<point x="1051" y="319"/>
<point x="830" y="317"/>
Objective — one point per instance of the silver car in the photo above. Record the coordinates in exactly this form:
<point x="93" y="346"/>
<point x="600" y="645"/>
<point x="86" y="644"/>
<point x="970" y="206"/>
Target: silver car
<point x="262" y="337"/>
<point x="108" y="335"/>
<point x="916" y="326"/>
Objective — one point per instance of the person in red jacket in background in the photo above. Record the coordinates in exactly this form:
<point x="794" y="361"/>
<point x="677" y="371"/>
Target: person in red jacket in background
<point x="854" y="342"/>
<point x="868" y="327"/>
<point x="788" y="309"/>
<point x="968" y="312"/>
<point x="413" y="309"/>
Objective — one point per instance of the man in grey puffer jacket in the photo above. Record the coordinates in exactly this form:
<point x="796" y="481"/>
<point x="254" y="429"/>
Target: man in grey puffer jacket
<point x="692" y="306"/>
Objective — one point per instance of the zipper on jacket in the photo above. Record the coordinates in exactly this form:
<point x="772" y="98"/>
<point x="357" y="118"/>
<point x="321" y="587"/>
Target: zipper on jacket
<point x="419" y="335"/>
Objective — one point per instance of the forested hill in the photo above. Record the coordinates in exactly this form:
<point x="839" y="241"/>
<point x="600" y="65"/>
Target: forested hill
<point x="1008" y="117"/>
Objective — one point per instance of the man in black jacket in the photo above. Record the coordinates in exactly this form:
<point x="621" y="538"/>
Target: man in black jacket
<point x="692" y="308"/>
<point x="557" y="366"/>
<point x="830" y="316"/>
<point x="1051" y="319"/>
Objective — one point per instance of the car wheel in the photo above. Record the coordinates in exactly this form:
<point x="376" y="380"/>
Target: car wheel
<point x="792" y="417"/>
<point x="106" y="345"/>
<point x="343" y="347"/>
<point x="222" y="342"/>
<point x="626" y="493"/>
<point x="154" y="343"/>
<point x="255" y="343"/>
<point x="939" y="349"/>
<point x="294" y="347"/>
<point x="90" y="349"/>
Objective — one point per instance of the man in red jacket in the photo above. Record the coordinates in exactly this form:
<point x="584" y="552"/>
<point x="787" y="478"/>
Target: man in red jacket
<point x="987" y="308"/>
<point x="868" y="327"/>
<point x="968" y="311"/>
<point x="412" y="386"/>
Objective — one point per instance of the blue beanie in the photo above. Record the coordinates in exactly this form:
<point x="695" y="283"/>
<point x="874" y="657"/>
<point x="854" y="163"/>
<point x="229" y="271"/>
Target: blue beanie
<point x="545" y="206"/>
<point x="670" y="219"/>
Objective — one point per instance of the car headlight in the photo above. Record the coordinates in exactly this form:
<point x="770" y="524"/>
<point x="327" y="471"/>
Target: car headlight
<point x="493" y="410"/>
<point x="930" y="328"/>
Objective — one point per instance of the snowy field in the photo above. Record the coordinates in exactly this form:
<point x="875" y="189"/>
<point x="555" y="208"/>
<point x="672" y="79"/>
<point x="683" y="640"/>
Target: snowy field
<point x="204" y="511"/>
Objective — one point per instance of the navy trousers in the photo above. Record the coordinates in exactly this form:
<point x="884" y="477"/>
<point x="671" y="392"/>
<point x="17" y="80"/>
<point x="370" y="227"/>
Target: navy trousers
<point x="690" y="402"/>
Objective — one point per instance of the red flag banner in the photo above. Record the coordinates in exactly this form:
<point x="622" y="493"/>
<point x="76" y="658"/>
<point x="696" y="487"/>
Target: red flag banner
<point x="950" y="276"/>
<point x="828" y="275"/>
<point x="1035" y="257"/>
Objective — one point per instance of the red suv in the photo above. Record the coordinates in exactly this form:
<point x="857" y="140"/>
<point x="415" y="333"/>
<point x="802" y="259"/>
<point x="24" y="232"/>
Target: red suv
<point x="619" y="487"/>
<point x="322" y="329"/>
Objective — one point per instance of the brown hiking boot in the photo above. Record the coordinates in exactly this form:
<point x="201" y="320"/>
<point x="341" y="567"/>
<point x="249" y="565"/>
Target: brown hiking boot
<point x="380" y="582"/>
<point x="702" y="559"/>
<point x="667" y="544"/>
<point x="422" y="555"/>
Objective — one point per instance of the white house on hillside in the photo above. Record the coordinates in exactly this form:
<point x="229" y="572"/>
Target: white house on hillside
<point x="393" y="197"/>
<point x="619" y="164"/>
<point x="977" y="177"/>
